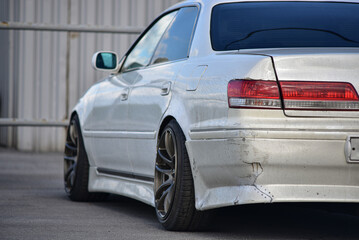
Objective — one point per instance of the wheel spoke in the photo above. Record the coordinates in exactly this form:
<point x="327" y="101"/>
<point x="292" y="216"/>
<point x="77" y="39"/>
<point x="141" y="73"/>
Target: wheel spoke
<point x="70" y="151"/>
<point x="73" y="133"/>
<point x="164" y="170"/>
<point x="161" y="201"/>
<point x="168" y="198"/>
<point x="71" y="148"/>
<point x="70" y="170"/>
<point x="72" y="159"/>
<point x="70" y="180"/>
<point x="167" y="160"/>
<point x="163" y="187"/>
<point x="169" y="144"/>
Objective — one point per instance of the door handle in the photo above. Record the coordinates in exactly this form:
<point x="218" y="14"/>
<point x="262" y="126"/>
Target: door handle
<point x="165" y="89"/>
<point x="124" y="94"/>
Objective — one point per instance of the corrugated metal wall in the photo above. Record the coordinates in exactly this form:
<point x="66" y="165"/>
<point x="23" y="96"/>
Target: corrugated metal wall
<point x="33" y="63"/>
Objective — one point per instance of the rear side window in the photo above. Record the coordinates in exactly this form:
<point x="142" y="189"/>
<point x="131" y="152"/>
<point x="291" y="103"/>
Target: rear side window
<point x="141" y="54"/>
<point x="175" y="42"/>
<point x="284" y="25"/>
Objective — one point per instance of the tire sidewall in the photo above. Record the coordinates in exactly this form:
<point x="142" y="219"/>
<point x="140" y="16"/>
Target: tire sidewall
<point x="170" y="219"/>
<point x="82" y="166"/>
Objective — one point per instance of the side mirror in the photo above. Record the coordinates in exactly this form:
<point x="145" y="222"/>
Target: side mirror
<point x="105" y="61"/>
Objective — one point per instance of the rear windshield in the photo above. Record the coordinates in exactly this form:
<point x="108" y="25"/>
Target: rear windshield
<point x="251" y="25"/>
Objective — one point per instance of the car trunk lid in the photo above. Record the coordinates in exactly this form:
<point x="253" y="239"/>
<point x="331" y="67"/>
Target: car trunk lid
<point x="326" y="66"/>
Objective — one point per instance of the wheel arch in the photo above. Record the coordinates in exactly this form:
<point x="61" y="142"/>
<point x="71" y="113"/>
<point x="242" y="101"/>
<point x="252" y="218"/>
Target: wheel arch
<point x="73" y="114"/>
<point x="163" y="124"/>
<point x="189" y="194"/>
<point x="77" y="113"/>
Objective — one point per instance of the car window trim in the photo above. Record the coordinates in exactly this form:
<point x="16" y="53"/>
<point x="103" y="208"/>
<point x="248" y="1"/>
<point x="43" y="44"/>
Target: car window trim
<point x="194" y="29"/>
<point x="210" y="20"/>
<point x="189" y="43"/>
<point x="142" y="35"/>
<point x="164" y="63"/>
<point x="150" y="26"/>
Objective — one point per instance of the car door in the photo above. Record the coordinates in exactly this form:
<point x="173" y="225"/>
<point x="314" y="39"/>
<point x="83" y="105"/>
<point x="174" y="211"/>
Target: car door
<point x="150" y="95"/>
<point x="108" y="128"/>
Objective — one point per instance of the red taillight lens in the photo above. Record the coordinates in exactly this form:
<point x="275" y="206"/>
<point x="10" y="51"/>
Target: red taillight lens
<point x="298" y="95"/>
<point x="253" y="94"/>
<point x="253" y="89"/>
<point x="318" y="91"/>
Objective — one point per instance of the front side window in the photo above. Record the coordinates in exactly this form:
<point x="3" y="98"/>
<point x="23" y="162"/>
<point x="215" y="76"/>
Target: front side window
<point x="142" y="53"/>
<point x="176" y="40"/>
<point x="249" y="25"/>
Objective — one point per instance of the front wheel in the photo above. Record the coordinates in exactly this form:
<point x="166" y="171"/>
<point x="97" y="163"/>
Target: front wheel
<point x="173" y="186"/>
<point x="76" y="166"/>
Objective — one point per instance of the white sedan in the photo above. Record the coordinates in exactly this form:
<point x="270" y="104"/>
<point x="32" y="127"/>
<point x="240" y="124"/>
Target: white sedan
<point x="220" y="103"/>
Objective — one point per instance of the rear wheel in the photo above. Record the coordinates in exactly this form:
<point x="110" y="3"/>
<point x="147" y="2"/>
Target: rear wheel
<point x="76" y="166"/>
<point x="174" y="189"/>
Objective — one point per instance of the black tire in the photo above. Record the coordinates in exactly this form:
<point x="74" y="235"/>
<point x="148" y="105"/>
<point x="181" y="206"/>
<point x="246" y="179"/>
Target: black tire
<point x="174" y="189"/>
<point x="76" y="166"/>
<point x="356" y="209"/>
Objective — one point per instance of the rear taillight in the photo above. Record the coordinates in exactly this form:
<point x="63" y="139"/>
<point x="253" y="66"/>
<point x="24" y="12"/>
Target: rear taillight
<point x="319" y="95"/>
<point x="297" y="95"/>
<point x="253" y="94"/>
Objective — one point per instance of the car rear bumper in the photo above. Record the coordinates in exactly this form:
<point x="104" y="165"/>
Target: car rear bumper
<point x="242" y="166"/>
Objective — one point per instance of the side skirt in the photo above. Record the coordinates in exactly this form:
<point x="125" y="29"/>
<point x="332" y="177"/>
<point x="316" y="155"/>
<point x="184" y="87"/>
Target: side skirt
<point x="124" y="174"/>
<point x="121" y="183"/>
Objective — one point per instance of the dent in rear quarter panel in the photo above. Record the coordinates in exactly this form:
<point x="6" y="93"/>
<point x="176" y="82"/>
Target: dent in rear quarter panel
<point x="206" y="110"/>
<point x="269" y="157"/>
<point x="241" y="156"/>
<point x="207" y="107"/>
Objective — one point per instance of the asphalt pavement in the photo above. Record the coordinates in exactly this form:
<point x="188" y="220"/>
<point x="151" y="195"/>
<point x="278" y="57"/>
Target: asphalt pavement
<point x="33" y="205"/>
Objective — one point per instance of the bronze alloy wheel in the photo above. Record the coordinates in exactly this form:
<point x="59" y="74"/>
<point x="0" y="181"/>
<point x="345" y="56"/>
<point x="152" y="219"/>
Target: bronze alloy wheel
<point x="165" y="173"/>
<point x="70" y="158"/>
<point x="76" y="166"/>
<point x="173" y="185"/>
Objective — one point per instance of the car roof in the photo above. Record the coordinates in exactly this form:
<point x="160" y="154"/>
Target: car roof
<point x="211" y="3"/>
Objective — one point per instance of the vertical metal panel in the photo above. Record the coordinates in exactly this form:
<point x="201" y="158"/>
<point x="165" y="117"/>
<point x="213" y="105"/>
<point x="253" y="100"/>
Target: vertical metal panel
<point x="4" y="72"/>
<point x="33" y="73"/>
